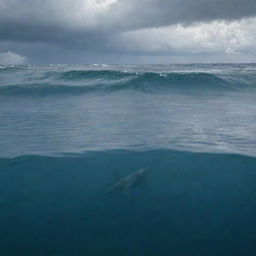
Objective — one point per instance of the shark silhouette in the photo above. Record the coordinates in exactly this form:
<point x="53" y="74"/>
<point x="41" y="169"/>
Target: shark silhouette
<point x="126" y="183"/>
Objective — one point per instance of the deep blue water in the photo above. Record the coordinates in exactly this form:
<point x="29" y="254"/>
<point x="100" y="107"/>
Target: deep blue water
<point x="68" y="132"/>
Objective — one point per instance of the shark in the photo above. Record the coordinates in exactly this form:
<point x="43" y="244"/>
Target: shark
<point x="126" y="183"/>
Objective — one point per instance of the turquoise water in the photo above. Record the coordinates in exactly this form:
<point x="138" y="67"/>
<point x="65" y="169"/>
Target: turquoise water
<point x="189" y="204"/>
<point x="68" y="133"/>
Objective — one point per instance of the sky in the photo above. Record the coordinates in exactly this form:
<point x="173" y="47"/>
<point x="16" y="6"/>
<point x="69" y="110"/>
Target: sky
<point x="127" y="31"/>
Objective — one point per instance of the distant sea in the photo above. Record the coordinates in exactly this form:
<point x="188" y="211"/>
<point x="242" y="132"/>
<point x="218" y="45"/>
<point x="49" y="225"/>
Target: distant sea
<point x="68" y="133"/>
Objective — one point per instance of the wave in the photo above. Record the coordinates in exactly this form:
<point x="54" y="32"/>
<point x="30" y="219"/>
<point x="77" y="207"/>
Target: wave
<point x="159" y="77"/>
<point x="105" y="81"/>
<point x="10" y="69"/>
<point x="44" y="89"/>
<point x="93" y="74"/>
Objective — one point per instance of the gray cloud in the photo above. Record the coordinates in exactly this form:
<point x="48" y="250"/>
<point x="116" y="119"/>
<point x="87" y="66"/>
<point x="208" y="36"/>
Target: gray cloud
<point x="9" y="57"/>
<point x="38" y="20"/>
<point x="90" y="27"/>
<point x="165" y="12"/>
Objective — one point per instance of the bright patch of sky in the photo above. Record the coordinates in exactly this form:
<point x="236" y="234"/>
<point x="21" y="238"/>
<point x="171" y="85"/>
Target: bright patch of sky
<point x="214" y="37"/>
<point x="11" y="58"/>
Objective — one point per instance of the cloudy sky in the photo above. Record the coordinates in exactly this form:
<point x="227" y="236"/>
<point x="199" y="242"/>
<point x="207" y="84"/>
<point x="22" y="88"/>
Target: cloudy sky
<point x="127" y="31"/>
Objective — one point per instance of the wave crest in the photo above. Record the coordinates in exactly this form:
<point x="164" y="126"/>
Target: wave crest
<point x="79" y="82"/>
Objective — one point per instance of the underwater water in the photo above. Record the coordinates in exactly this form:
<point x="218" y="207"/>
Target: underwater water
<point x="68" y="133"/>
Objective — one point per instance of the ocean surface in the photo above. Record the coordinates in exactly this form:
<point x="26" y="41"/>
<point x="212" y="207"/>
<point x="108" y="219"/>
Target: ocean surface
<point x="68" y="133"/>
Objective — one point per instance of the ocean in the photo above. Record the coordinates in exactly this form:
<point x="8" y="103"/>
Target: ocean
<point x="68" y="133"/>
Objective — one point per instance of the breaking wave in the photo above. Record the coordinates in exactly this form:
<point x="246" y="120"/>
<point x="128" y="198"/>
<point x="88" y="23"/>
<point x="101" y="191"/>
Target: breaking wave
<point x="105" y="81"/>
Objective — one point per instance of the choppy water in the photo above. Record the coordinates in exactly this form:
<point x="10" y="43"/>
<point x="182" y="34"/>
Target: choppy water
<point x="56" y="109"/>
<point x="67" y="133"/>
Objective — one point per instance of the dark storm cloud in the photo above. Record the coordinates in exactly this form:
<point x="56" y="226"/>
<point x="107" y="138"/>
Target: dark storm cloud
<point x="24" y="32"/>
<point x="90" y="25"/>
<point x="153" y="13"/>
<point x="54" y="20"/>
